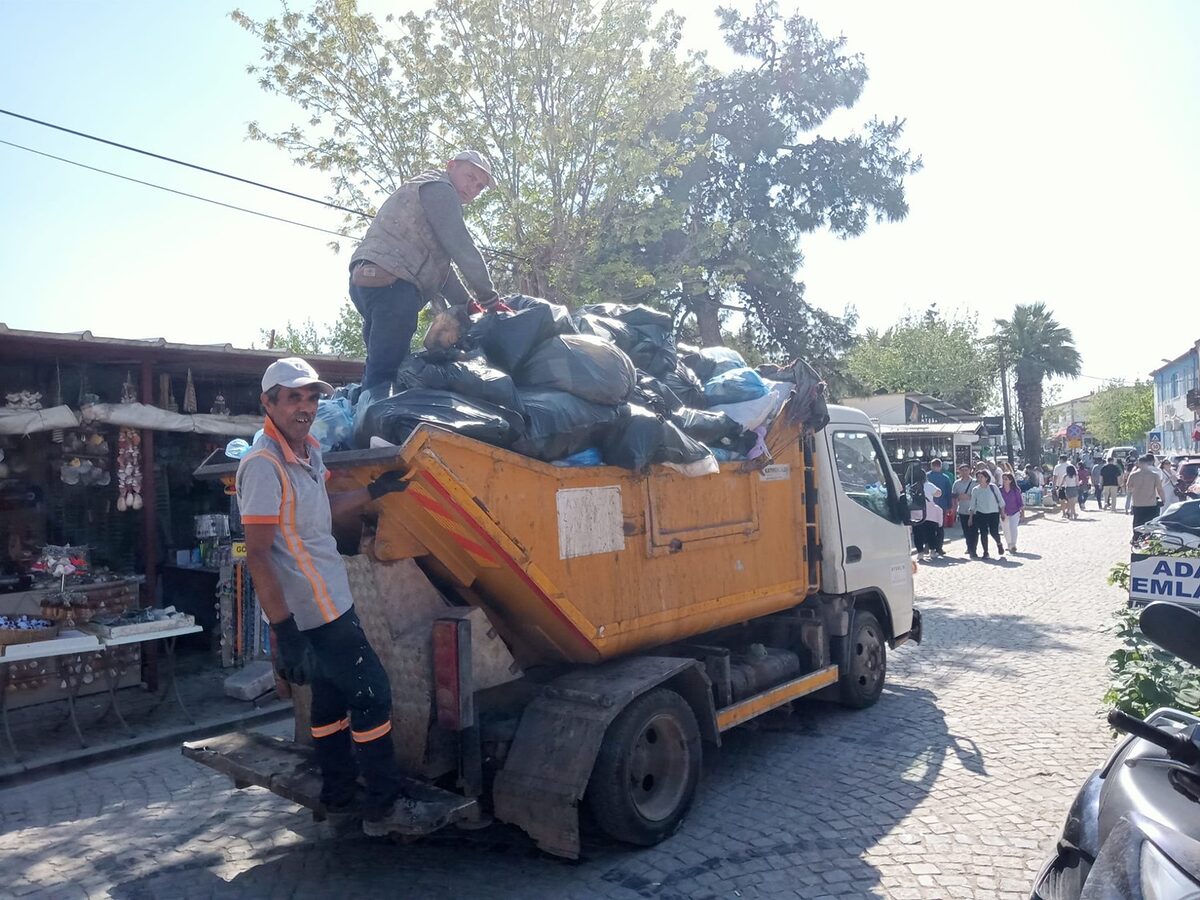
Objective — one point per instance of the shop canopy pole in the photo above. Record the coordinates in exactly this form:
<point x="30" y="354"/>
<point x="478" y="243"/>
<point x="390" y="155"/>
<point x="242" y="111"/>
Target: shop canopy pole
<point x="149" y="524"/>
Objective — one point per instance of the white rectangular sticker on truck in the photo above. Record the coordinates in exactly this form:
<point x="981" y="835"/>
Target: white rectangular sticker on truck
<point x="776" y="472"/>
<point x="589" y="521"/>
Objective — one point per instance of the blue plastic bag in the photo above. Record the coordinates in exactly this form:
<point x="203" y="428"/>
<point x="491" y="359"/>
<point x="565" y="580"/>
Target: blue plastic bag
<point x="334" y="425"/>
<point x="588" y="457"/>
<point x="735" y="386"/>
<point x="237" y="448"/>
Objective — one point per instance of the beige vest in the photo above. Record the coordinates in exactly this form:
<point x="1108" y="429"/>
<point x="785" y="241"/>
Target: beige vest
<point x="401" y="240"/>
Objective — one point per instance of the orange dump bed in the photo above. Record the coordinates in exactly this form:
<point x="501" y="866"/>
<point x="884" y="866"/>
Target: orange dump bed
<point x="585" y="564"/>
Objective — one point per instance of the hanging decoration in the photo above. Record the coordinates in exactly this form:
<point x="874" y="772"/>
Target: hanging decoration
<point x="189" y="396"/>
<point x="129" y="457"/>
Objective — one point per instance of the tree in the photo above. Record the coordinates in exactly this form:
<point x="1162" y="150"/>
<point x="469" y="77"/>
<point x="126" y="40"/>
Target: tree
<point x="1036" y="347"/>
<point x="761" y="179"/>
<point x="931" y="353"/>
<point x="565" y="98"/>
<point x="342" y="337"/>
<point x="625" y="170"/>
<point x="1122" y="413"/>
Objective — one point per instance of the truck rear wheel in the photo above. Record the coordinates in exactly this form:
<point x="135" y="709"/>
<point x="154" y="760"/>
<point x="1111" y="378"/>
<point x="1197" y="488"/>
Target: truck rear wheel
<point x="862" y="661"/>
<point x="647" y="770"/>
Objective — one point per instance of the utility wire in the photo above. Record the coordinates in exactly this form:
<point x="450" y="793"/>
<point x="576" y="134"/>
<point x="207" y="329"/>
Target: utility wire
<point x="180" y="162"/>
<point x="161" y="187"/>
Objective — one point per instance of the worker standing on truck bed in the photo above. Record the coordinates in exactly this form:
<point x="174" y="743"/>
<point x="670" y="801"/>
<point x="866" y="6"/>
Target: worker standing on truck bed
<point x="301" y="583"/>
<point x="404" y="260"/>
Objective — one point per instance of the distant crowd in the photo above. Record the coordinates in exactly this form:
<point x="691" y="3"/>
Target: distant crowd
<point x="987" y="500"/>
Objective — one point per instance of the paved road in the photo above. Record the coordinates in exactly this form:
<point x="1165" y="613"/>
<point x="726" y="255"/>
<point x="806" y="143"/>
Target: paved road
<point x="954" y="785"/>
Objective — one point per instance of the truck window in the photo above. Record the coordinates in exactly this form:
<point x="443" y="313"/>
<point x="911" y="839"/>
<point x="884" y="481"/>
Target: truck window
<point x="862" y="471"/>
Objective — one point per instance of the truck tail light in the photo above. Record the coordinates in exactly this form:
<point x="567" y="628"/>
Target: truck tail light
<point x="453" y="690"/>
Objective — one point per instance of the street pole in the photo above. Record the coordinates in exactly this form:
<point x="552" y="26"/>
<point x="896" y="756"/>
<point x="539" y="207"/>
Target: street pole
<point x="1012" y="455"/>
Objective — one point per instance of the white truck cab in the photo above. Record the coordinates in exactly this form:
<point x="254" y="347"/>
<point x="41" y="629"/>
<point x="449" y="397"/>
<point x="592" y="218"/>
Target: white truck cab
<point x="866" y="541"/>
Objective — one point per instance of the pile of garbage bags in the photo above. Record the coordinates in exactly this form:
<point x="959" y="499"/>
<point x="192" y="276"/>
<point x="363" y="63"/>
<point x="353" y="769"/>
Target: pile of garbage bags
<point x="604" y="385"/>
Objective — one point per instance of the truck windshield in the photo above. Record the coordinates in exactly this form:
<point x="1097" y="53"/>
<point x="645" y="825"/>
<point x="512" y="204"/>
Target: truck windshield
<point x="862" y="472"/>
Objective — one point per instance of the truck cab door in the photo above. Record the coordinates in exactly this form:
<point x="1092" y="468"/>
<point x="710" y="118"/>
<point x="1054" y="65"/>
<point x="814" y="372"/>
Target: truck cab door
<point x="870" y="546"/>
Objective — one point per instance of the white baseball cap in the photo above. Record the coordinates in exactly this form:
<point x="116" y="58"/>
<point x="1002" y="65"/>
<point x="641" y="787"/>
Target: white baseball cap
<point x="293" y="372"/>
<point x="475" y="158"/>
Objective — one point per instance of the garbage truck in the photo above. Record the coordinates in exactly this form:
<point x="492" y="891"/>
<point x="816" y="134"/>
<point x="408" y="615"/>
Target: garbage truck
<point x="560" y="638"/>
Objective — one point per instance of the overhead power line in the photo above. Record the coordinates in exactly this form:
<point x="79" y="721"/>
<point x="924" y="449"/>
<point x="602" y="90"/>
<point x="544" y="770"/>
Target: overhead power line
<point x="169" y="190"/>
<point x="180" y="162"/>
<point x="210" y="171"/>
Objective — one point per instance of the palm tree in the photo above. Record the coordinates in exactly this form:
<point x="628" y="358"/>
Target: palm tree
<point x="1036" y="347"/>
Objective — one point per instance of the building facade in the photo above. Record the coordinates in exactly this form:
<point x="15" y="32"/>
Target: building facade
<point x="1177" y="402"/>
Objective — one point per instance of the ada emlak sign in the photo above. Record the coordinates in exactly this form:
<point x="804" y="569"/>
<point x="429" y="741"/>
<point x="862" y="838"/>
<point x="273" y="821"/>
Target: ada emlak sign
<point x="1165" y="578"/>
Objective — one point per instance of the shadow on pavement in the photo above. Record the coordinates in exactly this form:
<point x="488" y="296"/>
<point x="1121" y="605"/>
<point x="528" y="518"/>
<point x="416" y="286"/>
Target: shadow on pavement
<point x="795" y="801"/>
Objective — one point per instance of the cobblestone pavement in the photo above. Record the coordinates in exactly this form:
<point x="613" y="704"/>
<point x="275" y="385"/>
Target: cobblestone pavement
<point x="954" y="785"/>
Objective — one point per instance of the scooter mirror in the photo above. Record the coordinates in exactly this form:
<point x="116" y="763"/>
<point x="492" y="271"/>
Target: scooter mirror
<point x="1174" y="628"/>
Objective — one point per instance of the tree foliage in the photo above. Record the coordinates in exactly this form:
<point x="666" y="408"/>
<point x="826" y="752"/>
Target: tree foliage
<point x="929" y="352"/>
<point x="341" y="337"/>
<point x="1036" y="347"/>
<point x="1122" y="413"/>
<point x="625" y="169"/>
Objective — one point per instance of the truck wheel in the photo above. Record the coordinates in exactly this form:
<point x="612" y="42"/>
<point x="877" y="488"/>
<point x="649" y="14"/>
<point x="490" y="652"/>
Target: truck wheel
<point x="646" y="772"/>
<point x="863" y="661"/>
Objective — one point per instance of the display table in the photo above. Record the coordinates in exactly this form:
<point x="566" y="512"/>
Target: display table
<point x="77" y="656"/>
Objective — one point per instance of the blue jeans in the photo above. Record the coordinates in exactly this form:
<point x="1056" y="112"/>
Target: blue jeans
<point x="389" y="323"/>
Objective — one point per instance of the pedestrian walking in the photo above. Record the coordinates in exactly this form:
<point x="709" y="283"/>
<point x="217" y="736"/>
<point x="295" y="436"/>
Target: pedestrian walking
<point x="1144" y="490"/>
<point x="939" y="479"/>
<point x="1098" y="483"/>
<point x="404" y="260"/>
<point x="1085" y="483"/>
<point x="1129" y="469"/>
<point x="927" y="534"/>
<point x="1014" y="509"/>
<point x="985" y="510"/>
<point x="961" y="496"/>
<point x="301" y="583"/>
<point x="1111" y="476"/>
<point x="1166" y="472"/>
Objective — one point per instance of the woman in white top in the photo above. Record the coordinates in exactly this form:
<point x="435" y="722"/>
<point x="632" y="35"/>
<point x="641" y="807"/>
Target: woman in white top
<point x="1068" y="493"/>
<point x="928" y="535"/>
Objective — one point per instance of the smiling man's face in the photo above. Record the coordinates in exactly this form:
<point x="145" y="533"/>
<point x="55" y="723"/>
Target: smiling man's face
<point x="468" y="179"/>
<point x="293" y="411"/>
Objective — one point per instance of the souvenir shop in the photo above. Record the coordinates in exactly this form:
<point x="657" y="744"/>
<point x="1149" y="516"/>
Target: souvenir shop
<point x="106" y="538"/>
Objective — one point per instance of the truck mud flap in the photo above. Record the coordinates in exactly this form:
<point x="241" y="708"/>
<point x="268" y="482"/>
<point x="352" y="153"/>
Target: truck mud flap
<point x="551" y="759"/>
<point x="290" y="770"/>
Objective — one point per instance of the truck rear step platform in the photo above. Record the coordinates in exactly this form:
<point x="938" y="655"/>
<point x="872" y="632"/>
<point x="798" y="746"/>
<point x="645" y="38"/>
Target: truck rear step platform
<point x="289" y="770"/>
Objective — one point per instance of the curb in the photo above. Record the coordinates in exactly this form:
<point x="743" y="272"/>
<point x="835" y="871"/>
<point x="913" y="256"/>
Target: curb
<point x="48" y="766"/>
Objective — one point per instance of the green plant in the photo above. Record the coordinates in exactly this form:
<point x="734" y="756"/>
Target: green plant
<point x="1143" y="676"/>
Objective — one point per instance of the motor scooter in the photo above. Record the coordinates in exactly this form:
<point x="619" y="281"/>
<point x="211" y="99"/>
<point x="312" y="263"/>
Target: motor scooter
<point x="1133" y="831"/>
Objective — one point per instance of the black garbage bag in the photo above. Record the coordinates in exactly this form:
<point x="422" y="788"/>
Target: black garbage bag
<point x="581" y="364"/>
<point x="610" y="329"/>
<point x="640" y="438"/>
<point x="651" y="341"/>
<point x="635" y="440"/>
<point x="709" y="362"/>
<point x="506" y="338"/>
<point x="560" y="424"/>
<point x="470" y="376"/>
<point x="654" y="395"/>
<point x="395" y="417"/>
<point x="558" y="313"/>
<point x="686" y="386"/>
<point x="715" y="429"/>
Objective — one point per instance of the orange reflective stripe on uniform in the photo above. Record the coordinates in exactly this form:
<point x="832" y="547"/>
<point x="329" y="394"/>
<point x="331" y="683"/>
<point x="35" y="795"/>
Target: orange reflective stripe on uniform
<point x="287" y="524"/>
<point x="362" y="737"/>
<point x="320" y="731"/>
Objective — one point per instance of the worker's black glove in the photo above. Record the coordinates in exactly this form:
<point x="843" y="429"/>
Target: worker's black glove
<point x="294" y="658"/>
<point x="392" y="480"/>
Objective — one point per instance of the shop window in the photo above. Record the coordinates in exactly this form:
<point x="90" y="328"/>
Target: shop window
<point x="863" y="474"/>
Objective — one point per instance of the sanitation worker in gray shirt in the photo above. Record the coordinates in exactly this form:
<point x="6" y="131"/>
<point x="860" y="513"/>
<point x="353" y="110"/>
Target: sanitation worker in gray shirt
<point x="404" y="260"/>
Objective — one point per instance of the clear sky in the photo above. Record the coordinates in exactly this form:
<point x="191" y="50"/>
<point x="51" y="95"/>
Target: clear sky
<point x="1059" y="144"/>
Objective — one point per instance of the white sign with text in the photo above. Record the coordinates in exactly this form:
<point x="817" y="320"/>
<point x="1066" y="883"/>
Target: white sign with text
<point x="1165" y="578"/>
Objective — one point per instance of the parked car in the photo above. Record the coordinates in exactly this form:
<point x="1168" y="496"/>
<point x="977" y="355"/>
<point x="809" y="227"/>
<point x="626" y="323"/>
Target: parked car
<point x="1121" y="453"/>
